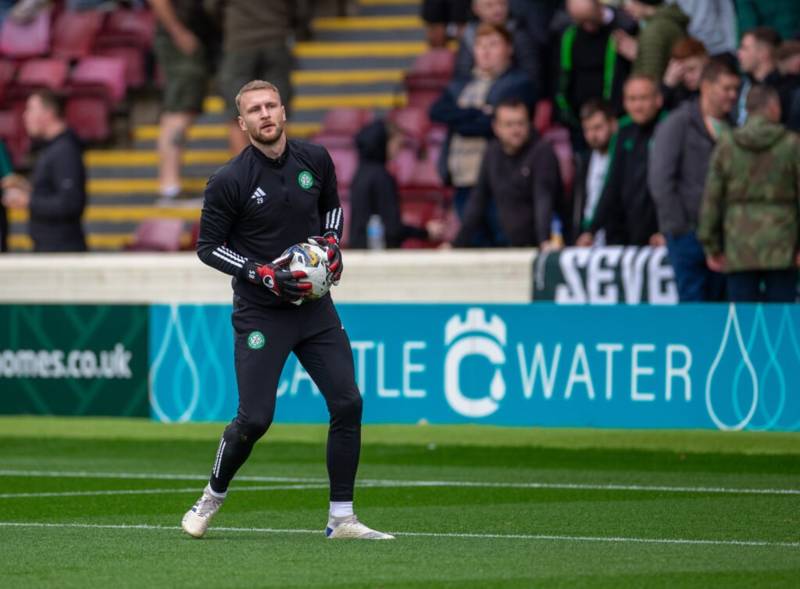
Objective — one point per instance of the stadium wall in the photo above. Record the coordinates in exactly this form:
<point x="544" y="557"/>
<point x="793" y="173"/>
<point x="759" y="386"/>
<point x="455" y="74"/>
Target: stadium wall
<point x="435" y="339"/>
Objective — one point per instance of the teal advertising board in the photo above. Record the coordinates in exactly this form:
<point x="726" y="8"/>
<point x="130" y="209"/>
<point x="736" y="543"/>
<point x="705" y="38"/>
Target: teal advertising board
<point x="690" y="366"/>
<point x="74" y="360"/>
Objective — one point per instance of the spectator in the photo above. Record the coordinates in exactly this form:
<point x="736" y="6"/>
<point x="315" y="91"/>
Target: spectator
<point x="439" y="15"/>
<point x="255" y="41"/>
<point x="373" y="191"/>
<point x="520" y="175"/>
<point x="56" y="196"/>
<point x="750" y="219"/>
<point x="6" y="170"/>
<point x="681" y="81"/>
<point x="183" y="59"/>
<point x="466" y="107"/>
<point x="599" y="125"/>
<point x="713" y="23"/>
<point x="758" y="61"/>
<point x="589" y="64"/>
<point x="679" y="158"/>
<point x="662" y="25"/>
<point x="626" y="209"/>
<point x="781" y="15"/>
<point x="789" y="58"/>
<point x="495" y="12"/>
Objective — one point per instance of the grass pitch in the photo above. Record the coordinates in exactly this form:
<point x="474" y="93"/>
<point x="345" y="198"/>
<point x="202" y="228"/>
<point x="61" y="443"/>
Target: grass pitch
<point x="97" y="503"/>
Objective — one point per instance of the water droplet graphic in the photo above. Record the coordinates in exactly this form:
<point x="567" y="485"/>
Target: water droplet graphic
<point x="498" y="386"/>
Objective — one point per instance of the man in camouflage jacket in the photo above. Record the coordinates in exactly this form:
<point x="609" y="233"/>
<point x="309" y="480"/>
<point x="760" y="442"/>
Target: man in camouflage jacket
<point x="750" y="215"/>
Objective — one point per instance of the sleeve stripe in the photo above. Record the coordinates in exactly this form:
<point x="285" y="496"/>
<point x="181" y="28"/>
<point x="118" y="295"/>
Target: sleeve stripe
<point x="231" y="254"/>
<point x="224" y="257"/>
<point x="333" y="219"/>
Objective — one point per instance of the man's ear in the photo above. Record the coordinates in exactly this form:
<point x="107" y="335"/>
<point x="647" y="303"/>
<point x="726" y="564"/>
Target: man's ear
<point x="242" y="126"/>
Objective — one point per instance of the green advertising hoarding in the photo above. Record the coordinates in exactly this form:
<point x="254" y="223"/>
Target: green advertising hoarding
<point x="73" y="360"/>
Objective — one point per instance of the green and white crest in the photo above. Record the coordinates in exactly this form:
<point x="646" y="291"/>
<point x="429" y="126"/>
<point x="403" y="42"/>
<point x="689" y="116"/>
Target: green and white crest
<point x="305" y="180"/>
<point x="256" y="340"/>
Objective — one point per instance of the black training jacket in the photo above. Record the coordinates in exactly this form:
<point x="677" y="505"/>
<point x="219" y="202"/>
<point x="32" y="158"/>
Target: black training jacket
<point x="255" y="207"/>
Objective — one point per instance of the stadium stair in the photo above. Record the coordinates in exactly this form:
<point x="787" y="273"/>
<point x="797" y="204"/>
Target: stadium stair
<point x="351" y="62"/>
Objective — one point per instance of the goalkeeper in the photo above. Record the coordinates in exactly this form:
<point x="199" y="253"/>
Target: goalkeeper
<point x="274" y="194"/>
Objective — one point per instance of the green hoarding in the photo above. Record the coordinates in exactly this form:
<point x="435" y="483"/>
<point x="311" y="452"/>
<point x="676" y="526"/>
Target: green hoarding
<point x="73" y="360"/>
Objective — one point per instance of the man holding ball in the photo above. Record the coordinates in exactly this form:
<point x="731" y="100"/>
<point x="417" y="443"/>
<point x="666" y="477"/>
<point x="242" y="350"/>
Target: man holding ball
<point x="276" y="193"/>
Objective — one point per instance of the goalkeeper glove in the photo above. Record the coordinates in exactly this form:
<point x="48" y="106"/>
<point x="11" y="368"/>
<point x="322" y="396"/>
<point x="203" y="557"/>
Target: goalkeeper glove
<point x="330" y="243"/>
<point x="280" y="281"/>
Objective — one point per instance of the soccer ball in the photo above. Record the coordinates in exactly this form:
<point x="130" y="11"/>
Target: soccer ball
<point x="313" y="260"/>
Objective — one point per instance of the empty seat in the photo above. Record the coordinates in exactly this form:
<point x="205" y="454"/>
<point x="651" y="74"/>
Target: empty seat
<point x="346" y="163"/>
<point x="158" y="235"/>
<point x="104" y="74"/>
<point x="23" y="41"/>
<point x="74" y="33"/>
<point x="8" y="71"/>
<point x="135" y="75"/>
<point x="345" y="121"/>
<point x="433" y="64"/>
<point x="413" y="122"/>
<point x="128" y="28"/>
<point x="558" y="137"/>
<point x="89" y="116"/>
<point x="42" y="73"/>
<point x="543" y="116"/>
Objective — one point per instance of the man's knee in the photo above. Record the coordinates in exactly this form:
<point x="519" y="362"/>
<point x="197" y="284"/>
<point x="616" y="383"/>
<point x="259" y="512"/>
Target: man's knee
<point x="247" y="430"/>
<point x="347" y="407"/>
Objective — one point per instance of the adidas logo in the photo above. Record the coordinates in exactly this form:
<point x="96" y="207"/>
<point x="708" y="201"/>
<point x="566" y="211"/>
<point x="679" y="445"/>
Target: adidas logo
<point x="258" y="195"/>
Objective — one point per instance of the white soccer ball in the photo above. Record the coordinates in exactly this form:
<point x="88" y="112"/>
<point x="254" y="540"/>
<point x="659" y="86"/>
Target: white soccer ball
<point x="313" y="260"/>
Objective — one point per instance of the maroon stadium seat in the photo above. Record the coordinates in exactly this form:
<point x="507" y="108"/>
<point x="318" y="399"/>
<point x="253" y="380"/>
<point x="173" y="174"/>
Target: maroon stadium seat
<point x="74" y="33"/>
<point x="106" y="74"/>
<point x="88" y="116"/>
<point x="8" y="71"/>
<point x="158" y="235"/>
<point x="135" y="75"/>
<point x="128" y="28"/>
<point x="334" y="140"/>
<point x="346" y="162"/>
<point x="23" y="41"/>
<point x="413" y="122"/>
<point x="558" y="137"/>
<point x="428" y="77"/>
<point x="41" y="73"/>
<point x="345" y="121"/>
<point x="543" y="116"/>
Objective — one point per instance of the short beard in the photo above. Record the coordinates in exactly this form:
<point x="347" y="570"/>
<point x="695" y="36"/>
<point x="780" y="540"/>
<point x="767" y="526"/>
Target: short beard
<point x="267" y="142"/>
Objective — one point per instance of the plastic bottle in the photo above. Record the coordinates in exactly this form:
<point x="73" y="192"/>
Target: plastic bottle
<point x="376" y="239"/>
<point x="556" y="233"/>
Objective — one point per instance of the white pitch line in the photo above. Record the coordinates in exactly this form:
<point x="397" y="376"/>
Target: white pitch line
<point x="112" y="492"/>
<point x="487" y="536"/>
<point x="402" y="483"/>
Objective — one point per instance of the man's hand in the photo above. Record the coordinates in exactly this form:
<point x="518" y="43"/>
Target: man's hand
<point x="16" y="198"/>
<point x="585" y="239"/>
<point x="281" y="281"/>
<point x="657" y="240"/>
<point x="330" y="243"/>
<point x="627" y="45"/>
<point x="674" y="73"/>
<point x="716" y="263"/>
<point x="185" y="40"/>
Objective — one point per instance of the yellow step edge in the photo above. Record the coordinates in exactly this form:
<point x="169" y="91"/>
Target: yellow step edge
<point x="94" y="241"/>
<point x="382" y="100"/>
<point x="363" y="50"/>
<point x="354" y="23"/>
<point x="219" y="131"/>
<point x="339" y="77"/>
<point x="389" y="2"/>
<point x="131" y="158"/>
<point x="120" y="187"/>
<point x="122" y="214"/>
<point x="214" y="104"/>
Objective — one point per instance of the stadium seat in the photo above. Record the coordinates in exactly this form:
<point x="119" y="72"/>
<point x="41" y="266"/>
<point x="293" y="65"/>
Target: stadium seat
<point x="558" y="137"/>
<point x="346" y="163"/>
<point x="413" y="122"/>
<point x="135" y="75"/>
<point x="543" y="116"/>
<point x="103" y="74"/>
<point x="345" y="121"/>
<point x="88" y="115"/>
<point x="429" y="75"/>
<point x="158" y="235"/>
<point x="8" y="71"/>
<point x="402" y="166"/>
<point x="74" y="33"/>
<point x="128" y="28"/>
<point x="41" y="73"/>
<point x="23" y="41"/>
<point x="334" y="140"/>
<point x="13" y="135"/>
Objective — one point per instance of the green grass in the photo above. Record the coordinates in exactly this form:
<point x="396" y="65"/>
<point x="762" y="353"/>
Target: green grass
<point x="550" y="536"/>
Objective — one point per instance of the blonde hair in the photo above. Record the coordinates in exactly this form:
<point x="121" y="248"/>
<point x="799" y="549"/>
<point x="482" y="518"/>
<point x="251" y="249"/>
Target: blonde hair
<point x="255" y="85"/>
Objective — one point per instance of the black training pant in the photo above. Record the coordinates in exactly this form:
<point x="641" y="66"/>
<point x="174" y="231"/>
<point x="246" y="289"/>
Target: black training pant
<point x="264" y="337"/>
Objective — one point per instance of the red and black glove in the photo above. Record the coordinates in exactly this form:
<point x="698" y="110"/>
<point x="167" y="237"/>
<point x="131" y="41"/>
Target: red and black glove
<point x="330" y="243"/>
<point x="281" y="281"/>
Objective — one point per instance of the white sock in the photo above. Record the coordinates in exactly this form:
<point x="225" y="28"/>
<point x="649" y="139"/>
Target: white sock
<point x="341" y="508"/>
<point x="170" y="191"/>
<point x="213" y="493"/>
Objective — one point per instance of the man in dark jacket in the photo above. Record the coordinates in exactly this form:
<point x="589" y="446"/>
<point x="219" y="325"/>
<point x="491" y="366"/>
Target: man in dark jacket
<point x="466" y="107"/>
<point x="679" y="162"/>
<point x="520" y="174"/>
<point x="589" y="64"/>
<point x="628" y="213"/>
<point x="57" y="194"/>
<point x="373" y="190"/>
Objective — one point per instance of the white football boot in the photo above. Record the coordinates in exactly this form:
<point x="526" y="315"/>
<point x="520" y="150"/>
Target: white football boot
<point x="349" y="527"/>
<point x="195" y="522"/>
